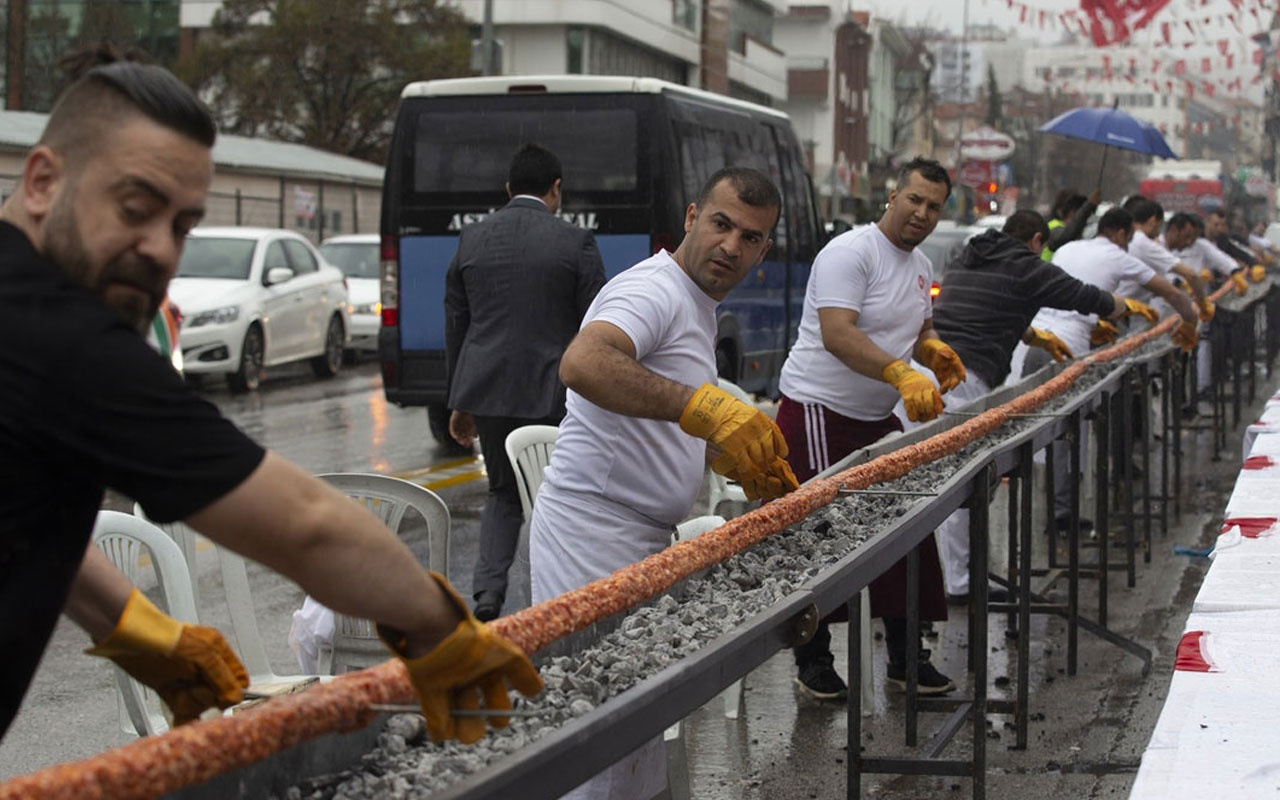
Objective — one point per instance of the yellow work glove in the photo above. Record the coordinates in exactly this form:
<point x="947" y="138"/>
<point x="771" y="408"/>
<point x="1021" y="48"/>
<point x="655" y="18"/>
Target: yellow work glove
<point x="751" y="448"/>
<point x="191" y="667"/>
<point x="920" y="396"/>
<point x="1241" y="284"/>
<point x="944" y="362"/>
<point x="1206" y="275"/>
<point x="1257" y="273"/>
<point x="1103" y="333"/>
<point x="1048" y="341"/>
<point x="1186" y="335"/>
<point x="1137" y="308"/>
<point x="473" y="665"/>
<point x="1207" y="310"/>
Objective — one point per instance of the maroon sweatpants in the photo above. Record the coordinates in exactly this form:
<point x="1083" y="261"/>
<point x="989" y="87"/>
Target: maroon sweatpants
<point x="818" y="437"/>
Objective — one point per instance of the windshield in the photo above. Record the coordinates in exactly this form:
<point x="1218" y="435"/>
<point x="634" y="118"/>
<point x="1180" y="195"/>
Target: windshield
<point x="212" y="257"/>
<point x="355" y="259"/>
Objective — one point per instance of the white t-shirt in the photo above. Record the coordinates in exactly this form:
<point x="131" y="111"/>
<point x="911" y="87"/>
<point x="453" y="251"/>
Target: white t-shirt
<point x="1204" y="254"/>
<point x="1154" y="254"/>
<point x="862" y="271"/>
<point x="1098" y="261"/>
<point x="648" y="468"/>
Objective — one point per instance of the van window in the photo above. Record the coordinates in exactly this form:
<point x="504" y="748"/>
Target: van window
<point x="469" y="151"/>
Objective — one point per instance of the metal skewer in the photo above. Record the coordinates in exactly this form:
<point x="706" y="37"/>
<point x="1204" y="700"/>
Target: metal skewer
<point x="414" y="708"/>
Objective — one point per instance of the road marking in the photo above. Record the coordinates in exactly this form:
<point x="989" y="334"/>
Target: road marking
<point x="450" y="473"/>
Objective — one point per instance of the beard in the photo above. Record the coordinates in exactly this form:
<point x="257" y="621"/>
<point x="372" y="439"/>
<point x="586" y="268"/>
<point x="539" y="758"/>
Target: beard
<point x="63" y="246"/>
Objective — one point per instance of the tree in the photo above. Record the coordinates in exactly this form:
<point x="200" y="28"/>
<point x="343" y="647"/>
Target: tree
<point x="325" y="73"/>
<point x="995" y="105"/>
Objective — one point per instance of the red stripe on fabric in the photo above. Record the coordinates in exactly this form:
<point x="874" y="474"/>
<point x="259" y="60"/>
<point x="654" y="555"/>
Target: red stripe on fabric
<point x="1250" y="527"/>
<point x="1258" y="462"/>
<point x="1190" y="656"/>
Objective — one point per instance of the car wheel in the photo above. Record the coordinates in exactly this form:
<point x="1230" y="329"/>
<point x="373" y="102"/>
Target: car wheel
<point x="327" y="364"/>
<point x="249" y="376"/>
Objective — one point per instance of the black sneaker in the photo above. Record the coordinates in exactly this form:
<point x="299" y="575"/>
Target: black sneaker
<point x="821" y="682"/>
<point x="488" y="605"/>
<point x="929" y="680"/>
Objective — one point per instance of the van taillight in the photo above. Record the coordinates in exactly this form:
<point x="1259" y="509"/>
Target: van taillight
<point x="389" y="279"/>
<point x="935" y="290"/>
<point x="662" y="241"/>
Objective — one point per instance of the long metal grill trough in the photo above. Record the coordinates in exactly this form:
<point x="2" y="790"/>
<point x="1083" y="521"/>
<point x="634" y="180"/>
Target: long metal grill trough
<point x="706" y="647"/>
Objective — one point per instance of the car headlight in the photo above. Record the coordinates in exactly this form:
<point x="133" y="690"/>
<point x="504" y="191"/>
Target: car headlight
<point x="216" y="316"/>
<point x="365" y="308"/>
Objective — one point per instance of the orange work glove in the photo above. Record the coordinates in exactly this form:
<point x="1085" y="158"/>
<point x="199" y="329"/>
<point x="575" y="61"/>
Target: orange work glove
<point x="1207" y="310"/>
<point x="1103" y="333"/>
<point x="1186" y="335"/>
<point x="1046" y="340"/>
<point x="920" y="396"/>
<point x="1257" y="273"/>
<point x="1137" y="308"/>
<point x="191" y="667"/>
<point x="1241" y="284"/>
<point x="472" y="665"/>
<point x="944" y="362"/>
<point x="752" y="450"/>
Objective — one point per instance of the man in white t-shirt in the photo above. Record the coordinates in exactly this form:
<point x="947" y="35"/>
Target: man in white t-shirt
<point x="1148" y="219"/>
<point x="866" y="313"/>
<point x="1103" y="262"/>
<point x="637" y="434"/>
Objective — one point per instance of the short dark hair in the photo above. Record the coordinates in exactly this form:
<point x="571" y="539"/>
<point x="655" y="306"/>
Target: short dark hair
<point x="1182" y="219"/>
<point x="108" y="92"/>
<point x="928" y="169"/>
<point x="1217" y="212"/>
<point x="752" y="186"/>
<point x="1115" y="219"/>
<point x="1067" y="201"/>
<point x="534" y="170"/>
<point x="1131" y="201"/>
<point x="1024" y="225"/>
<point x="1143" y="210"/>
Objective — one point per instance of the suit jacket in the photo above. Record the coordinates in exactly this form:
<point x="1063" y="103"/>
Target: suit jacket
<point x="515" y="295"/>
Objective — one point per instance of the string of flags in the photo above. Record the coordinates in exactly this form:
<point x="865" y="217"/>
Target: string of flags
<point x="1173" y="22"/>
<point x="1209" y="48"/>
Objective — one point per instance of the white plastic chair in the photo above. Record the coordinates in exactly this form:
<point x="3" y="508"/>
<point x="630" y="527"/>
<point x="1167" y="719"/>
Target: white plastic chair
<point x="125" y="539"/>
<point x="239" y="595"/>
<point x="355" y="642"/>
<point x="719" y="488"/>
<point x="529" y="449"/>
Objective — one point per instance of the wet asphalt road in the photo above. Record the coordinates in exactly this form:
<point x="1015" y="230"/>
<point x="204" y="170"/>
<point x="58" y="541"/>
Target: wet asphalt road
<point x="1087" y="732"/>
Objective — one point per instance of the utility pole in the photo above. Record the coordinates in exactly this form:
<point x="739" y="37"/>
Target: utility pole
<point x="487" y="48"/>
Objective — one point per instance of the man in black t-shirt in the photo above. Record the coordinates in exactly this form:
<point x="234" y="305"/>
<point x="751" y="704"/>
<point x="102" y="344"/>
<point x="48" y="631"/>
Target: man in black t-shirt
<point x="89" y="241"/>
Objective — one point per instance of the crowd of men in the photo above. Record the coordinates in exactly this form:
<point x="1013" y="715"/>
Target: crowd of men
<point x="627" y="368"/>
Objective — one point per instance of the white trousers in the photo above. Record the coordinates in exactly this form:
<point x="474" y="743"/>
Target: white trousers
<point x="953" y="532"/>
<point x="571" y="545"/>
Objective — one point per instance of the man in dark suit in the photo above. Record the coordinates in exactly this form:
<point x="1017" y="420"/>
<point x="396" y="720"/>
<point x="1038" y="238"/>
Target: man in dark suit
<point x="515" y="295"/>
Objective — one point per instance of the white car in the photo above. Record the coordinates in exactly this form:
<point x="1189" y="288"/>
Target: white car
<point x="258" y="297"/>
<point x="357" y="256"/>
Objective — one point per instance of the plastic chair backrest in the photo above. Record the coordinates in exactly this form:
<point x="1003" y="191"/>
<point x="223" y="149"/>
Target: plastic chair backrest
<point x="735" y="390"/>
<point x="529" y="448"/>
<point x="389" y="498"/>
<point x="355" y="641"/>
<point x="124" y="539"/>
<point x="693" y="528"/>
<point x="188" y="540"/>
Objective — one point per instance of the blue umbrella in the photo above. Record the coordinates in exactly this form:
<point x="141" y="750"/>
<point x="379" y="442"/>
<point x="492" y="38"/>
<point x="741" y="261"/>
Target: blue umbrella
<point x="1110" y="127"/>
